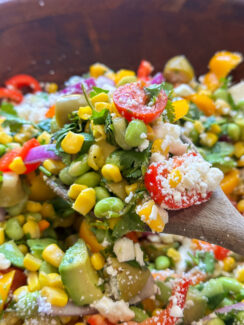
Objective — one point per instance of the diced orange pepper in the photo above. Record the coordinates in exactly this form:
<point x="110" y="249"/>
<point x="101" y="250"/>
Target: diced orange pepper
<point x="211" y="81"/>
<point x="223" y="62"/>
<point x="5" y="285"/>
<point x="230" y="181"/>
<point x="43" y="225"/>
<point x="89" y="237"/>
<point x="51" y="112"/>
<point x="204" y="103"/>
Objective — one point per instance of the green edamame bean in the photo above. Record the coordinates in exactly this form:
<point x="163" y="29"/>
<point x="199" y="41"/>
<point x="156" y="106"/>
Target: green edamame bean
<point x="221" y="94"/>
<point x="120" y="124"/>
<point x="162" y="262"/>
<point x="226" y="302"/>
<point x="79" y="167"/>
<point x="65" y="177"/>
<point x="90" y="179"/>
<point x="101" y="193"/>
<point x="230" y="284"/>
<point x="2" y="149"/>
<point x="13" y="229"/>
<point x="215" y="321"/>
<point x="135" y="133"/>
<point x="140" y="314"/>
<point x="240" y="317"/>
<point x="233" y="131"/>
<point x="212" y="288"/>
<point x="108" y="208"/>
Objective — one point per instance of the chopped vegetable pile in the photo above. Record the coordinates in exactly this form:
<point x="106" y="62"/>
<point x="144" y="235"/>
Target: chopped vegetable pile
<point x="87" y="176"/>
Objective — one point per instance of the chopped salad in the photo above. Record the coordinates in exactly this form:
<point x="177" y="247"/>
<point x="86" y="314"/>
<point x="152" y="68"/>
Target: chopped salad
<point x="88" y="173"/>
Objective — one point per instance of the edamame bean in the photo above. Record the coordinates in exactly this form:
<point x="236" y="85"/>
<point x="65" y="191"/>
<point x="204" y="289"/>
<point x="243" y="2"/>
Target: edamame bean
<point x="109" y="208"/>
<point x="162" y="262"/>
<point x="230" y="284"/>
<point x="212" y="288"/>
<point x="101" y="193"/>
<point x="13" y="229"/>
<point x="2" y="149"/>
<point x="135" y="133"/>
<point x="215" y="321"/>
<point x="65" y="177"/>
<point x="90" y="179"/>
<point x="120" y="124"/>
<point x="79" y="167"/>
<point x="221" y="94"/>
<point x="140" y="314"/>
<point x="233" y="131"/>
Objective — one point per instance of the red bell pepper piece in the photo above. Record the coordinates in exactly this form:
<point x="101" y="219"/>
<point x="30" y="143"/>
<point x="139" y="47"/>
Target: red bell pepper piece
<point x="11" y="94"/>
<point x="23" y="80"/>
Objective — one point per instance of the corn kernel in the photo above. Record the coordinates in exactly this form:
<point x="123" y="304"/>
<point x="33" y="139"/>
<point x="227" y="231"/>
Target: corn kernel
<point x="208" y="139"/>
<point x="97" y="261"/>
<point x="111" y="173"/>
<point x="240" y="162"/>
<point x="21" y="219"/>
<point x="85" y="201"/>
<point x="51" y="280"/>
<point x="102" y="97"/>
<point x="21" y="291"/>
<point x="17" y="165"/>
<point x="131" y="188"/>
<point x="229" y="264"/>
<point x="95" y="157"/>
<point x="72" y="142"/>
<point x="157" y="147"/>
<point x="32" y="263"/>
<point x="75" y="190"/>
<point x="215" y="128"/>
<point x="33" y="282"/>
<point x="47" y="210"/>
<point x="53" y="166"/>
<point x="85" y="112"/>
<point x="239" y="149"/>
<point x="2" y="236"/>
<point x="174" y="254"/>
<point x="240" y="206"/>
<point x="32" y="206"/>
<point x="123" y="73"/>
<point x="150" y="215"/>
<point x="5" y="138"/>
<point x="175" y="177"/>
<point x="199" y="126"/>
<point x="110" y="74"/>
<point x="55" y="296"/>
<point x="53" y="255"/>
<point x="23" y="248"/>
<point x="99" y="106"/>
<point x="240" y="275"/>
<point x="150" y="133"/>
<point x="44" y="138"/>
<point x="31" y="228"/>
<point x="98" y="69"/>
<point x="51" y="87"/>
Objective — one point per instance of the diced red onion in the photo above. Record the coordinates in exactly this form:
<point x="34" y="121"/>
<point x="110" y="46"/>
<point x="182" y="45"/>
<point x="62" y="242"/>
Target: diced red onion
<point x="76" y="88"/>
<point x="158" y="78"/>
<point x="225" y="310"/>
<point x="41" y="153"/>
<point x="72" y="310"/>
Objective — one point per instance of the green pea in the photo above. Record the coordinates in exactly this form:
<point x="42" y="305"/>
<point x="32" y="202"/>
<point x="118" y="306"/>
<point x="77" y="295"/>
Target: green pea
<point x="79" y="167"/>
<point x="233" y="131"/>
<point x="2" y="149"/>
<point x="126" y="80"/>
<point x="221" y="94"/>
<point x="13" y="229"/>
<point x="240" y="317"/>
<point x="108" y="208"/>
<point x="65" y="177"/>
<point x="135" y="132"/>
<point x="162" y="262"/>
<point x="90" y="179"/>
<point x="101" y="193"/>
<point x="215" y="321"/>
<point x="230" y="284"/>
<point x="140" y="314"/>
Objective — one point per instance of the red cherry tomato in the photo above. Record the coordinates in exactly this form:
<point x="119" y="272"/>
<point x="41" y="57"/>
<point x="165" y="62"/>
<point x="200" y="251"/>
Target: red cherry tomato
<point x="220" y="253"/>
<point x="144" y="70"/>
<point x="97" y="320"/>
<point x="6" y="159"/>
<point x="19" y="277"/>
<point x="11" y="94"/>
<point x="23" y="80"/>
<point x="130" y="100"/>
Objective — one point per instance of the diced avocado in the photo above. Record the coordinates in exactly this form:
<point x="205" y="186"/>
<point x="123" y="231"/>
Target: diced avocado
<point x="38" y="245"/>
<point x="47" y="268"/>
<point x="164" y="292"/>
<point x="118" y="189"/>
<point x="214" y="291"/>
<point x="11" y="252"/>
<point x="18" y="208"/>
<point x="11" y="190"/>
<point x="78" y="276"/>
<point x="196" y="305"/>
<point x="120" y="125"/>
<point x="130" y="279"/>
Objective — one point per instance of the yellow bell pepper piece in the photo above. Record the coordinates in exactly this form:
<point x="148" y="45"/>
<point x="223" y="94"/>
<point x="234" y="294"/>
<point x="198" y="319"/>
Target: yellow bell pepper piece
<point x="211" y="81"/>
<point x="181" y="108"/>
<point x="230" y="181"/>
<point x="88" y="236"/>
<point x="223" y="62"/>
<point x="5" y="285"/>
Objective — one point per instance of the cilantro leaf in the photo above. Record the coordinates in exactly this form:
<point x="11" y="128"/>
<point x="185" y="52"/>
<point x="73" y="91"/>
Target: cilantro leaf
<point x="99" y="117"/>
<point x="11" y="117"/>
<point x="153" y="91"/>
<point x="97" y="91"/>
<point x="194" y="113"/>
<point x="204" y="260"/>
<point x="129" y="222"/>
<point x="169" y="112"/>
<point x="45" y="125"/>
<point x="109" y="130"/>
<point x="225" y="82"/>
<point x="8" y="108"/>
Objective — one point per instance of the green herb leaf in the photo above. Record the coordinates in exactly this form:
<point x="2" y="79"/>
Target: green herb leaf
<point x="129" y="222"/>
<point x="99" y="117"/>
<point x="225" y="82"/>
<point x="8" y="108"/>
<point x="109" y="130"/>
<point x="11" y="118"/>
<point x="45" y="125"/>
<point x="97" y="91"/>
<point x="204" y="260"/>
<point x="153" y="91"/>
<point x="169" y="112"/>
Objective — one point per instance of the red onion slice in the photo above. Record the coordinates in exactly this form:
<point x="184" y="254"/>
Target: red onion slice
<point x="225" y="310"/>
<point x="41" y="153"/>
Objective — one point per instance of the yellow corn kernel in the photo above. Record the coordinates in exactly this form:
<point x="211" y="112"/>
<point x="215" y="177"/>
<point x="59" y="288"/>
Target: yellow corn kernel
<point x="175" y="177"/>
<point x="2" y="236"/>
<point x="51" y="280"/>
<point x="51" y="87"/>
<point x="87" y="235"/>
<point x="44" y="138"/>
<point x="181" y="108"/>
<point x="95" y="157"/>
<point x="150" y="133"/>
<point x="32" y="206"/>
<point x="6" y="281"/>
<point x="85" y="112"/>
<point x="215" y="128"/>
<point x="72" y="142"/>
<point x="21" y="291"/>
<point x="111" y="173"/>
<point x="17" y="166"/>
<point x="150" y="215"/>
<point x="240" y="275"/>
<point x="21" y="219"/>
<point x="157" y="147"/>
<point x="208" y="139"/>
<point x="130" y="188"/>
<point x="229" y="264"/>
<point x="32" y="229"/>
<point x="123" y="73"/>
<point x="23" y="248"/>
<point x="239" y="149"/>
<point x="156" y="311"/>
<point x="48" y="210"/>
<point x="53" y="255"/>
<point x="240" y="206"/>
<point x="43" y="279"/>
<point x="98" y="69"/>
<point x="199" y="126"/>
<point x="55" y="296"/>
<point x="5" y="138"/>
<point x="53" y="166"/>
<point x="65" y="319"/>
<point x="33" y="282"/>
<point x="97" y="261"/>
<point x="75" y="190"/>
<point x="99" y="106"/>
<point x="174" y="254"/>
<point x="32" y="263"/>
<point x="102" y="97"/>
<point x="85" y="201"/>
<point x="98" y="132"/>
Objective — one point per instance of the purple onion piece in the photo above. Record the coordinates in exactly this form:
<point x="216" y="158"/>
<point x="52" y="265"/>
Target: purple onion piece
<point x="72" y="310"/>
<point x="225" y="310"/>
<point x="158" y="78"/>
<point x="225" y="138"/>
<point x="41" y="153"/>
<point x="76" y="88"/>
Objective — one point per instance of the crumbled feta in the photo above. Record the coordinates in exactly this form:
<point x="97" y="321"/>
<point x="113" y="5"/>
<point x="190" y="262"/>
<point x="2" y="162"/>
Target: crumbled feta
<point x="176" y="311"/>
<point x="124" y="249"/>
<point x="139" y="254"/>
<point x="4" y="262"/>
<point x="143" y="135"/>
<point x="144" y="145"/>
<point x="237" y="92"/>
<point x="183" y="90"/>
<point x="114" y="311"/>
<point x="184" y="249"/>
<point x="129" y="197"/>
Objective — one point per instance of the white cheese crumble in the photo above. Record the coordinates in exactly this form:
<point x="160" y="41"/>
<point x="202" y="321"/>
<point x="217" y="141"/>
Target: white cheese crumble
<point x="144" y="145"/>
<point x="4" y="262"/>
<point x="129" y="197"/>
<point x="183" y="90"/>
<point x="126" y="250"/>
<point x="184" y="249"/>
<point x="237" y="92"/>
<point x="114" y="311"/>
